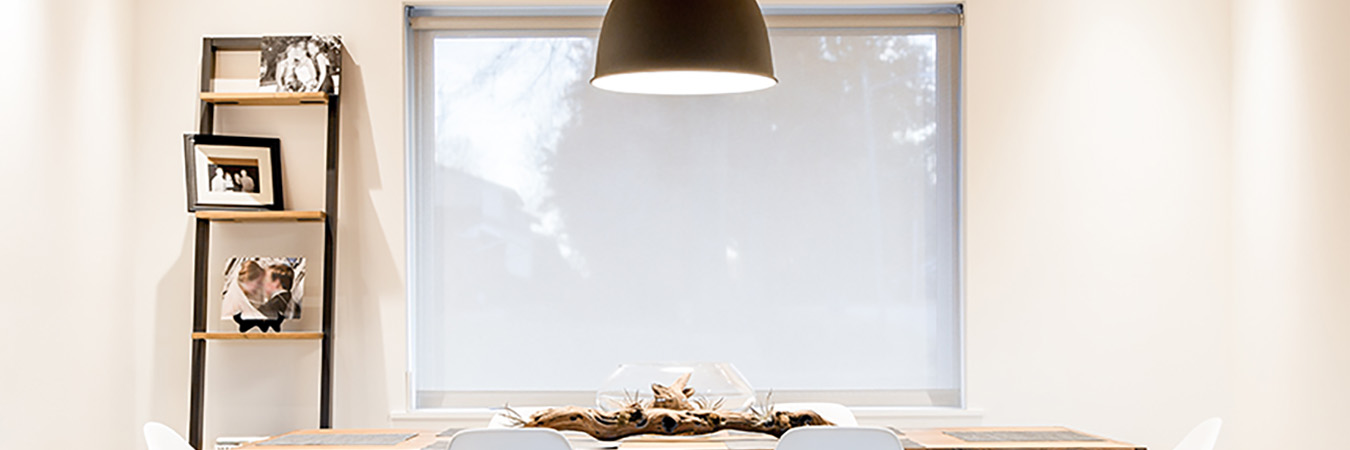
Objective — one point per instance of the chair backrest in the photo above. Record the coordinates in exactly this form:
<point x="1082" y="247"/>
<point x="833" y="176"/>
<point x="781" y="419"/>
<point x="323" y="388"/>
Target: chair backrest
<point x="833" y="412"/>
<point x="1203" y="436"/>
<point x="160" y="437"/>
<point x="835" y="438"/>
<point x="509" y="439"/>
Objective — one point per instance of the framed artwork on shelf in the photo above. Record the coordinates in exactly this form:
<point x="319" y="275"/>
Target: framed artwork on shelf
<point x="307" y="63"/>
<point x="262" y="291"/>
<point x="233" y="172"/>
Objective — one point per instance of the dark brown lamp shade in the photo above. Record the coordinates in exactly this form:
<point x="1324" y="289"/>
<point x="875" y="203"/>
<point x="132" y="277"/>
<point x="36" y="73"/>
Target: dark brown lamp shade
<point x="683" y="47"/>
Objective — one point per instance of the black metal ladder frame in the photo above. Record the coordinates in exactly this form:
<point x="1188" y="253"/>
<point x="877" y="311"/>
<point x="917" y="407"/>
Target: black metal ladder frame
<point x="206" y="125"/>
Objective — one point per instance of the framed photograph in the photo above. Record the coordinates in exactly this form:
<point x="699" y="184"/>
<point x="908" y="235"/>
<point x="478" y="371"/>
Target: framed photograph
<point x="232" y="172"/>
<point x="262" y="291"/>
<point x="310" y="63"/>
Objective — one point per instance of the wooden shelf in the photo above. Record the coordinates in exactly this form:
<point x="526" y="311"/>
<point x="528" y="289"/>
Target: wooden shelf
<point x="261" y="216"/>
<point x="265" y="98"/>
<point x="289" y="335"/>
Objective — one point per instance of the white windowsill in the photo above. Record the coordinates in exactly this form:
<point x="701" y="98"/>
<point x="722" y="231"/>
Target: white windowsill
<point x="900" y="417"/>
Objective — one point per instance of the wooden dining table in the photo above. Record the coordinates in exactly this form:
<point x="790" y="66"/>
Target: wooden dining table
<point x="964" y="438"/>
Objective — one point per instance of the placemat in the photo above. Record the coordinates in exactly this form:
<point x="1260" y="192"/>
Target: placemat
<point x="339" y="439"/>
<point x="1022" y="436"/>
<point x="449" y="432"/>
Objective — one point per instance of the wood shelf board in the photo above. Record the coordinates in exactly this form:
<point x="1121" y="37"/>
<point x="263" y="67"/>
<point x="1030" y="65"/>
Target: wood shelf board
<point x="265" y="98"/>
<point x="261" y="216"/>
<point x="288" y="335"/>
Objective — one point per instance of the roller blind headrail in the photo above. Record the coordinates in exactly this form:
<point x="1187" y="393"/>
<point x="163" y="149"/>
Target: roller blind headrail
<point x="589" y="17"/>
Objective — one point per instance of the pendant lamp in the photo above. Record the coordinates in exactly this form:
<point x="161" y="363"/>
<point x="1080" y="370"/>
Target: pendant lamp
<point x="683" y="47"/>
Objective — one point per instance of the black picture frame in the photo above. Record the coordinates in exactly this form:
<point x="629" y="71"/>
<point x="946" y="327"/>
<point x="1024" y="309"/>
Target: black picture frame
<point x="233" y="172"/>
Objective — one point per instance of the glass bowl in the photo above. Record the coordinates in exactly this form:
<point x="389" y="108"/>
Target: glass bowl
<point x="716" y="384"/>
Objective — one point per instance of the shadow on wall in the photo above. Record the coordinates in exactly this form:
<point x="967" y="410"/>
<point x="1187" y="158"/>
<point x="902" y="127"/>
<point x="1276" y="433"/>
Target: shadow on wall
<point x="368" y="282"/>
<point x="172" y="320"/>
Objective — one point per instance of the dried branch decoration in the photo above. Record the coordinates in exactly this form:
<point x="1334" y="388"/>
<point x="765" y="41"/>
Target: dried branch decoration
<point x="672" y="413"/>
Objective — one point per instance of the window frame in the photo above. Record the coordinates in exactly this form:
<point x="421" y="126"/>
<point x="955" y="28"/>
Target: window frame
<point x="423" y="21"/>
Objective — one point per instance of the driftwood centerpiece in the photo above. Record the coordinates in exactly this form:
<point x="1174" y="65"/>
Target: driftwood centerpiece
<point x="671" y="413"/>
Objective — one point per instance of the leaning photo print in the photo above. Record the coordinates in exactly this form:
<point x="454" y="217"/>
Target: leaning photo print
<point x="310" y="63"/>
<point x="262" y="291"/>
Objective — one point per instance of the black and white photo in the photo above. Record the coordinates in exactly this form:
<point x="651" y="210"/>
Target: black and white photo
<point x="233" y="172"/>
<point x="300" y="63"/>
<point x="233" y="176"/>
<point x="262" y="291"/>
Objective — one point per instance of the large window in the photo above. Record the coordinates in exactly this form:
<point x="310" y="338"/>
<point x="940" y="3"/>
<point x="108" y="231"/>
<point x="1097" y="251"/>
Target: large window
<point x="807" y="233"/>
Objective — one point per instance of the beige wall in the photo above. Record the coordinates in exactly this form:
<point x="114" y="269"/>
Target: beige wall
<point x="270" y="388"/>
<point x="1292" y="233"/>
<point x="1098" y="214"/>
<point x="1152" y="215"/>
<point x="68" y="341"/>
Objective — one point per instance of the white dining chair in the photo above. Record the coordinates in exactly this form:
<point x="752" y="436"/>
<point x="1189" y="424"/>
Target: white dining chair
<point x="833" y="438"/>
<point x="509" y="439"/>
<point x="1203" y="436"/>
<point x="159" y="436"/>
<point x="835" y="413"/>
